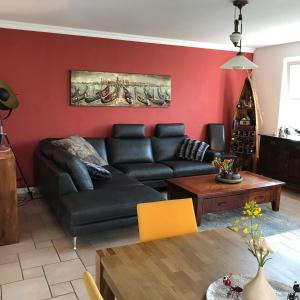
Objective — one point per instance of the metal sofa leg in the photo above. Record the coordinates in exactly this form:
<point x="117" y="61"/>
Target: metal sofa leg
<point x="75" y="242"/>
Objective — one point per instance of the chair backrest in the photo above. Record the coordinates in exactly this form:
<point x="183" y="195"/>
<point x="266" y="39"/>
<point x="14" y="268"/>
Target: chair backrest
<point x="216" y="137"/>
<point x="163" y="219"/>
<point x="91" y="287"/>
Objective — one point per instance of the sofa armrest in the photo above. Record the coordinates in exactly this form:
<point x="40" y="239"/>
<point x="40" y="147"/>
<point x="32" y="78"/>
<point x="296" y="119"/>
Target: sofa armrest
<point x="52" y="181"/>
<point x="69" y="163"/>
<point x="210" y="155"/>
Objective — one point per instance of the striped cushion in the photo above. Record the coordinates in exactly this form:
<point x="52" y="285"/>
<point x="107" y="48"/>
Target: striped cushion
<point x="192" y="149"/>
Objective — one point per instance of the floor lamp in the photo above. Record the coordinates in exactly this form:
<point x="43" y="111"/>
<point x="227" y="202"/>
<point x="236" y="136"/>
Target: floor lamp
<point x="8" y="102"/>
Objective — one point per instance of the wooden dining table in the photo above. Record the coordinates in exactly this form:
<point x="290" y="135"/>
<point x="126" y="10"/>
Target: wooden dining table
<point x="182" y="267"/>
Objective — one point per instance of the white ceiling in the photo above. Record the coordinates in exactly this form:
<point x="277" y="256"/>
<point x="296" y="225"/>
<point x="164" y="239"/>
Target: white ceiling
<point x="266" y="22"/>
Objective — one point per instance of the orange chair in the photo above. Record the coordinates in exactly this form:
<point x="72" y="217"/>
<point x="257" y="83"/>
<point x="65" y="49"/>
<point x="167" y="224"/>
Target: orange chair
<point x="163" y="219"/>
<point x="91" y="287"/>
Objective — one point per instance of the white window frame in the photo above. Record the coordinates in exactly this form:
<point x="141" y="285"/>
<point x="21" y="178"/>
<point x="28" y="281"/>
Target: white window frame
<point x="284" y="95"/>
<point x="289" y="64"/>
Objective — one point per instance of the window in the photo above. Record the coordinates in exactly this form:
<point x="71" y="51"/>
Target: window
<point x="290" y="97"/>
<point x="294" y="81"/>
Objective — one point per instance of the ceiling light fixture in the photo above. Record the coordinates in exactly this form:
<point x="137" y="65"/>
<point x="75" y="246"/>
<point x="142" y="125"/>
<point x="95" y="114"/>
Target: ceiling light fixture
<point x="239" y="61"/>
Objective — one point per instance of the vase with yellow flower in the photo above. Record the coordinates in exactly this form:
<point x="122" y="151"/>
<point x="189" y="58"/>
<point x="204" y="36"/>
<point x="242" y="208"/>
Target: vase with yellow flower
<point x="250" y="226"/>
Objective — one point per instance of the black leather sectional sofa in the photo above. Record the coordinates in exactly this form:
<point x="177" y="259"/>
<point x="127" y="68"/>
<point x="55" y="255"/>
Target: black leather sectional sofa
<point x="138" y="165"/>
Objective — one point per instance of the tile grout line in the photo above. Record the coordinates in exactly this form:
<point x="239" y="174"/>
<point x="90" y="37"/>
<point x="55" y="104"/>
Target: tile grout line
<point x="74" y="290"/>
<point x="47" y="282"/>
<point x="61" y="283"/>
<point x="19" y="260"/>
<point x="56" y="251"/>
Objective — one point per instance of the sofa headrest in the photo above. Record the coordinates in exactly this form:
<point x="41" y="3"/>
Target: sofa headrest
<point x="169" y="130"/>
<point x="128" y="131"/>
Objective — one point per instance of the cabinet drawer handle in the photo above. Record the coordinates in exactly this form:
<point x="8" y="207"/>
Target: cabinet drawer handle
<point x="222" y="203"/>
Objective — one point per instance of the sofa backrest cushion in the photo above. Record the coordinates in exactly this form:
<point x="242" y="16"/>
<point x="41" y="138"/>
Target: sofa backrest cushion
<point x="128" y="131"/>
<point x="166" y="148"/>
<point x="99" y="145"/>
<point x="70" y="164"/>
<point x="129" y="150"/>
<point x="169" y="130"/>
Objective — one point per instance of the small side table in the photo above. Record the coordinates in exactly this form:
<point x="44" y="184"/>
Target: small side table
<point x="9" y="227"/>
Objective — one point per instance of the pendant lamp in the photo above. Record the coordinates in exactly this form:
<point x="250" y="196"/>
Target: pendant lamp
<point x="239" y="61"/>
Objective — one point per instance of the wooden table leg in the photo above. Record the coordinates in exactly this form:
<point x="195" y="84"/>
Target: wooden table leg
<point x="105" y="290"/>
<point x="276" y="199"/>
<point x="101" y="283"/>
<point x="198" y="210"/>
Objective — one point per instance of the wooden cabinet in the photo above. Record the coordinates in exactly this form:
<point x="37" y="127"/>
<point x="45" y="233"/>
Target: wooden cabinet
<point x="279" y="158"/>
<point x="9" y="232"/>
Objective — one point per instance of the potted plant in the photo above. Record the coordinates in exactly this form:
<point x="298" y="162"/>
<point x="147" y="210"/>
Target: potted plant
<point x="250" y="226"/>
<point x="226" y="169"/>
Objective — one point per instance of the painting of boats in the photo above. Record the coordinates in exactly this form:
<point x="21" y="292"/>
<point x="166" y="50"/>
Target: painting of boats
<point x="119" y="89"/>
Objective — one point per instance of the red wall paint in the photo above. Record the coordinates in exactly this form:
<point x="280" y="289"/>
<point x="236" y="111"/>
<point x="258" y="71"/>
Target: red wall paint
<point x="36" y="65"/>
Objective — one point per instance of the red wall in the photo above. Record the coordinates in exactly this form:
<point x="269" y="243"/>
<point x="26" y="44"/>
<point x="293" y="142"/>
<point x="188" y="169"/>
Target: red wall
<point x="36" y="65"/>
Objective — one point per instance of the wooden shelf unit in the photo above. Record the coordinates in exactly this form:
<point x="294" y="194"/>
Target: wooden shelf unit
<point x="244" y="128"/>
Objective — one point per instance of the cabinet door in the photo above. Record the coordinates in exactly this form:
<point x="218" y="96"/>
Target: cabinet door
<point x="294" y="164"/>
<point x="274" y="158"/>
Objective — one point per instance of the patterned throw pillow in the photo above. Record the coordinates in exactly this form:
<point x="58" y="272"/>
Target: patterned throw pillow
<point x="192" y="150"/>
<point x="97" y="172"/>
<point x="83" y="150"/>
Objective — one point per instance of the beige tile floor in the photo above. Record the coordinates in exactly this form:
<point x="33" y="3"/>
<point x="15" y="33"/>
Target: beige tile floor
<point x="43" y="264"/>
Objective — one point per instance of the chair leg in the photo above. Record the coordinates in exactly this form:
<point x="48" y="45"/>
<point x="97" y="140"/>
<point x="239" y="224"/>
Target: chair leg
<point x="75" y="242"/>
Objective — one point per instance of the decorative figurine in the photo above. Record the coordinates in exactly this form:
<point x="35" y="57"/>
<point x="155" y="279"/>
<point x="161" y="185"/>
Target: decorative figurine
<point x="296" y="289"/>
<point x="287" y="131"/>
<point x="280" y="132"/>
<point x="233" y="290"/>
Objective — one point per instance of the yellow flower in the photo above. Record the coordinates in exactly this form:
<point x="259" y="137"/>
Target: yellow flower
<point x="257" y="211"/>
<point x="236" y="229"/>
<point x="249" y="212"/>
<point x="245" y="230"/>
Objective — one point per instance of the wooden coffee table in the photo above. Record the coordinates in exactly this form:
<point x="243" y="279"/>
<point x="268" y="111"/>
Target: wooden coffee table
<point x="211" y="196"/>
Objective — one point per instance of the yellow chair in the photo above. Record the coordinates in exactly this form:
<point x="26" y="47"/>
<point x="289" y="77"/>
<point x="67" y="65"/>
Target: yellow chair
<point x="163" y="219"/>
<point x="91" y="287"/>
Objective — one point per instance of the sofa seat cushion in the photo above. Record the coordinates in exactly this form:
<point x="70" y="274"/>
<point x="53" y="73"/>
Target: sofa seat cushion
<point x="106" y="204"/>
<point x="146" y="171"/>
<point x="190" y="168"/>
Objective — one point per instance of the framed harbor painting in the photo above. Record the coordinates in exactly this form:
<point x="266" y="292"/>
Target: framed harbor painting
<point x="119" y="89"/>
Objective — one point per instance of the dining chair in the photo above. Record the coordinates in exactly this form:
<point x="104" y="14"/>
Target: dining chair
<point x="91" y="287"/>
<point x="163" y="219"/>
<point x="216" y="140"/>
